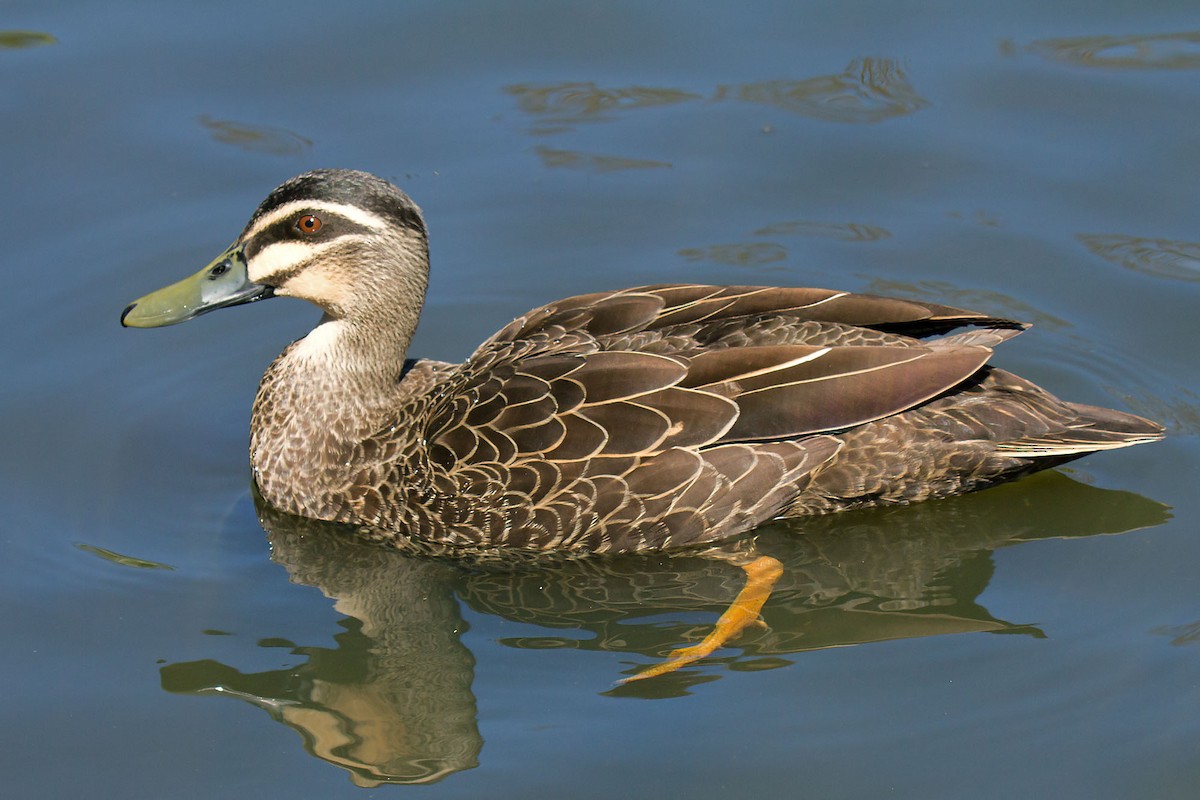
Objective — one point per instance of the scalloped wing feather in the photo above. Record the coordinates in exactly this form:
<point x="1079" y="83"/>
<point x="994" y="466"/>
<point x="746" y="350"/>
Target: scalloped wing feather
<point x="546" y="387"/>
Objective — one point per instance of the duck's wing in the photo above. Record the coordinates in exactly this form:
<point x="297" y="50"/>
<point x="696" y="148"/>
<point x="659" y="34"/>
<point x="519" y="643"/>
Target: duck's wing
<point x="581" y="443"/>
<point x="591" y="450"/>
<point x="790" y="391"/>
<point x="568" y="381"/>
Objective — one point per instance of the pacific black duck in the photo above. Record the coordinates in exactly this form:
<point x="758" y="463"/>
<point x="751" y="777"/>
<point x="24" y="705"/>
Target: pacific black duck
<point x="658" y="417"/>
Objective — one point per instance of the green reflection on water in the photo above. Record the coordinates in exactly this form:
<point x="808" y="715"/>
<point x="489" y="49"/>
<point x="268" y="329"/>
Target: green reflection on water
<point x="20" y="40"/>
<point x="119" y="558"/>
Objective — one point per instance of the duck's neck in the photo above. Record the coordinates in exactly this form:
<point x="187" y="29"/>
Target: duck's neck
<point x="319" y="400"/>
<point x="341" y="354"/>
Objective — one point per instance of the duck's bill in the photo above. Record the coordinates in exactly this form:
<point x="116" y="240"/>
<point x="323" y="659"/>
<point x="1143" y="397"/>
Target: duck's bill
<point x="222" y="283"/>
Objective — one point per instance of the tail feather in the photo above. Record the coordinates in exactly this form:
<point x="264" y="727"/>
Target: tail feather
<point x="1095" y="429"/>
<point x="984" y="337"/>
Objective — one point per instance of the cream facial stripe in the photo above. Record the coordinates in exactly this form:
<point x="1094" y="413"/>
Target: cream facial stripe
<point x="279" y="258"/>
<point x="355" y="214"/>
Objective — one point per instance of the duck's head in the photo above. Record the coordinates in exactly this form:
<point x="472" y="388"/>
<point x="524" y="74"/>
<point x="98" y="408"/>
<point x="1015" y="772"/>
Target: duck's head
<point x="344" y="240"/>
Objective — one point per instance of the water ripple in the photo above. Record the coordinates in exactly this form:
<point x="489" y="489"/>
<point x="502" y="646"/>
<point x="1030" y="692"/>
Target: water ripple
<point x="1158" y="258"/>
<point x="1180" y="634"/>
<point x="842" y="231"/>
<point x="561" y="106"/>
<point x="575" y="159"/>
<point x="256" y="138"/>
<point x="1175" y="406"/>
<point x="1154" y="51"/>
<point x="739" y="254"/>
<point x="869" y="90"/>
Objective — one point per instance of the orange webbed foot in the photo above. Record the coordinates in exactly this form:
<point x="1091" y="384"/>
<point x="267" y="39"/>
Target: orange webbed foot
<point x="761" y="575"/>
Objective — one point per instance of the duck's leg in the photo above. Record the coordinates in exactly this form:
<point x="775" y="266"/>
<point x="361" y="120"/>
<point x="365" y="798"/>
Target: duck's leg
<point x="761" y="574"/>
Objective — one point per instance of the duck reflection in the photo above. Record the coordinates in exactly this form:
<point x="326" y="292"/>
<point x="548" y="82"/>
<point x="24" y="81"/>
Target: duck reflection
<point x="393" y="701"/>
<point x="1179" y="50"/>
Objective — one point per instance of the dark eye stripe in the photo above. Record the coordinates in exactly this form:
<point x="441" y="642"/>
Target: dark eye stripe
<point x="285" y="230"/>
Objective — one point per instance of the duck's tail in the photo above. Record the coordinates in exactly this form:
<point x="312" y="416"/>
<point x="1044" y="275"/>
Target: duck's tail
<point x="1094" y="429"/>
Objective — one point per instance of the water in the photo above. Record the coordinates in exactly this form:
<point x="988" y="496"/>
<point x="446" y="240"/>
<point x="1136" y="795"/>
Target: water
<point x="1033" y="160"/>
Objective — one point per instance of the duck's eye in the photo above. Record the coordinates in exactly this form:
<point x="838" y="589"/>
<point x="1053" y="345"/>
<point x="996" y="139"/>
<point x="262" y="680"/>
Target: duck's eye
<point x="309" y="224"/>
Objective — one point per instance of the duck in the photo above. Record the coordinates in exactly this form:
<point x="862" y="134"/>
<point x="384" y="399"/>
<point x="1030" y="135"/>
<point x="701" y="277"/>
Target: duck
<point x="658" y="418"/>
